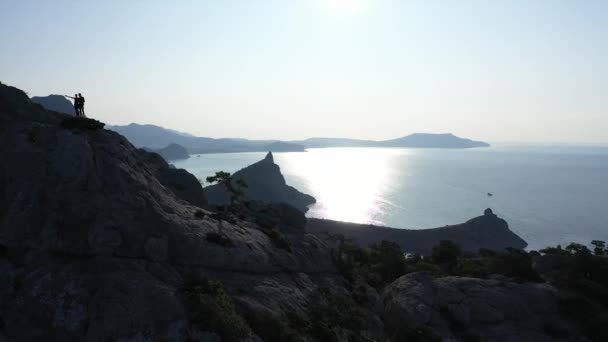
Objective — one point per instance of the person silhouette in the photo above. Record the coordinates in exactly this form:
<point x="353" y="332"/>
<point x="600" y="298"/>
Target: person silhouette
<point x="76" y="103"/>
<point x="81" y="105"/>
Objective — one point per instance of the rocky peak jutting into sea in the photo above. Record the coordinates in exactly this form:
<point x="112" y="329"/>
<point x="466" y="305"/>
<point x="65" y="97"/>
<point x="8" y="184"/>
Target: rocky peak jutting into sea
<point x="266" y="183"/>
<point x="101" y="241"/>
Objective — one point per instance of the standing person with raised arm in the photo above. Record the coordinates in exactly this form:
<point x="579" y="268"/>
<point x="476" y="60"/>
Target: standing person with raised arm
<point x="76" y="103"/>
<point x="81" y="105"/>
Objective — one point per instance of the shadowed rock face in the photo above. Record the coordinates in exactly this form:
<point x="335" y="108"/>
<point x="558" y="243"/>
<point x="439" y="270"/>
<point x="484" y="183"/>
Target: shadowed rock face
<point x="482" y="309"/>
<point x="57" y="103"/>
<point x="97" y="238"/>
<point x="264" y="183"/>
<point x="487" y="231"/>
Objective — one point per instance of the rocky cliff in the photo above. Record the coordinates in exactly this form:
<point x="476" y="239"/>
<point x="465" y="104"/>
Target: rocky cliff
<point x="266" y="183"/>
<point x="99" y="237"/>
<point x="101" y="241"/>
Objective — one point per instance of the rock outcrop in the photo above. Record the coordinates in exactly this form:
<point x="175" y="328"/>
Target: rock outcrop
<point x="487" y="231"/>
<point x="471" y="309"/>
<point x="264" y="183"/>
<point x="99" y="239"/>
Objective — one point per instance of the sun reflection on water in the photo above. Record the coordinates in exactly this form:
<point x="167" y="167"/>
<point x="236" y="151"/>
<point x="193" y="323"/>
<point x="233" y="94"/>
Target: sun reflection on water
<point x="350" y="184"/>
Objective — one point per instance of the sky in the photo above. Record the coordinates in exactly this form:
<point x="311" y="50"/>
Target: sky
<point x="498" y="71"/>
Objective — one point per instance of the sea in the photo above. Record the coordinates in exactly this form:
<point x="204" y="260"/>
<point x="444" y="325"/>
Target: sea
<point x="548" y="194"/>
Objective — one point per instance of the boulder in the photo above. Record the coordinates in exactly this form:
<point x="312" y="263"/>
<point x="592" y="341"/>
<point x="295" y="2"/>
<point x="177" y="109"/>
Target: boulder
<point x="460" y="308"/>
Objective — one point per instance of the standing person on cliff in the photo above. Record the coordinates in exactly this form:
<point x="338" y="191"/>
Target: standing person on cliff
<point x="81" y="105"/>
<point x="76" y="103"/>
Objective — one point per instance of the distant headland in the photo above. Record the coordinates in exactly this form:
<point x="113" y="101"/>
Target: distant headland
<point x="156" y="137"/>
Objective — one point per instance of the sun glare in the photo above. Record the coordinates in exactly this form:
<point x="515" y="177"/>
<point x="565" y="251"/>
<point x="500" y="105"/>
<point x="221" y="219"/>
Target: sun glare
<point x="350" y="185"/>
<point x="344" y="6"/>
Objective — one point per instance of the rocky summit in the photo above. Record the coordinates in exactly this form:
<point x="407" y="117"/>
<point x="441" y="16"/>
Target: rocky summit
<point x="101" y="241"/>
<point x="266" y="183"/>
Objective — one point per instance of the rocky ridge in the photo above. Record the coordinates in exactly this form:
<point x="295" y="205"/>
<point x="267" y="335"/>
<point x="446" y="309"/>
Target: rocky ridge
<point x="486" y="231"/>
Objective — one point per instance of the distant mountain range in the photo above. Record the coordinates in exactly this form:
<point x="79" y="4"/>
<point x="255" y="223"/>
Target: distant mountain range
<point x="155" y="137"/>
<point x="171" y="152"/>
<point x="418" y="140"/>
<point x="56" y="103"/>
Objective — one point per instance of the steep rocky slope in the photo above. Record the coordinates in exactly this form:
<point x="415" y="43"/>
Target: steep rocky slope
<point x="265" y="182"/>
<point x="101" y="241"/>
<point x="98" y="237"/>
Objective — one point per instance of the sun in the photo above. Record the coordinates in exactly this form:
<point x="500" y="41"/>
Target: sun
<point x="344" y="6"/>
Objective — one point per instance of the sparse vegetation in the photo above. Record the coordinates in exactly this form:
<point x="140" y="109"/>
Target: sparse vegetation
<point x="599" y="247"/>
<point x="278" y="239"/>
<point x="377" y="265"/>
<point x="330" y="313"/>
<point x="236" y="188"/>
<point x="446" y="252"/>
<point x="212" y="309"/>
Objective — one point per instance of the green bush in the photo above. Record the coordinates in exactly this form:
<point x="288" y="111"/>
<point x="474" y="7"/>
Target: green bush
<point x="212" y="309"/>
<point x="515" y="264"/>
<point x="328" y="311"/>
<point x="278" y="239"/>
<point x="446" y="252"/>
<point x="378" y="265"/>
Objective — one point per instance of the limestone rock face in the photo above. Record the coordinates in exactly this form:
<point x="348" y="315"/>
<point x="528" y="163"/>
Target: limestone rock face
<point x="264" y="183"/>
<point x="180" y="181"/>
<point x="458" y="308"/>
<point x="98" y="239"/>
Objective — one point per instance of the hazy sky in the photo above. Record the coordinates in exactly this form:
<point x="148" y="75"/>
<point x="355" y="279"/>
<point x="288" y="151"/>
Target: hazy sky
<point x="526" y="70"/>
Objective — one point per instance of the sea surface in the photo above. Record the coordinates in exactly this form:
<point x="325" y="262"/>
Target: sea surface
<point x="548" y="194"/>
